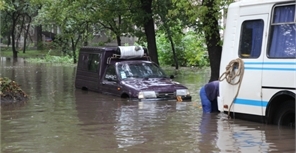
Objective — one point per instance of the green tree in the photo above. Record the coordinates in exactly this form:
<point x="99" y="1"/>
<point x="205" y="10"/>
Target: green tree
<point x="204" y="16"/>
<point x="114" y="15"/>
<point x="16" y="17"/>
<point x="190" y="49"/>
<point x="145" y="16"/>
<point x="2" y="5"/>
<point x="72" y="18"/>
<point x="166" y="21"/>
<point x="209" y="18"/>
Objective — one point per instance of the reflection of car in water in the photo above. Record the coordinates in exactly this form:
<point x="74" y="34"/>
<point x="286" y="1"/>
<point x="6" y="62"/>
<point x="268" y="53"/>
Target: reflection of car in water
<point x="117" y="122"/>
<point x="125" y="71"/>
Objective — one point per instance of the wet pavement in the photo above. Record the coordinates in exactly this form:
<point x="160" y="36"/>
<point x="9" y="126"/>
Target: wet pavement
<point x="59" y="118"/>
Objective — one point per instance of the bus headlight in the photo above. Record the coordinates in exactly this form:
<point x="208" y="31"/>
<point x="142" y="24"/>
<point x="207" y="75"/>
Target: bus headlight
<point x="182" y="92"/>
<point x="146" y="94"/>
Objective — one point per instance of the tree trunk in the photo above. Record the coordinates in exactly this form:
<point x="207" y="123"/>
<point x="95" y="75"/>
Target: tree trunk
<point x="19" y="34"/>
<point x="118" y="40"/>
<point x="174" y="52"/>
<point x="74" y="45"/>
<point x="26" y="35"/>
<point x="85" y="42"/>
<point x="169" y="34"/>
<point x="8" y="39"/>
<point x="212" y="38"/>
<point x="39" y="43"/>
<point x="14" y="20"/>
<point x="149" y="29"/>
<point x="73" y="50"/>
<point x="118" y="31"/>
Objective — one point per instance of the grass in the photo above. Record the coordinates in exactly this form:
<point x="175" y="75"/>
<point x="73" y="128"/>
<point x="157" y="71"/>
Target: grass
<point x="7" y="52"/>
<point x="39" y="56"/>
<point x="65" y="60"/>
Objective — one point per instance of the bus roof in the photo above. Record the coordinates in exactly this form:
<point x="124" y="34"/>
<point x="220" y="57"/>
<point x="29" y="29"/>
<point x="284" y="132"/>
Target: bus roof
<point x="255" y="2"/>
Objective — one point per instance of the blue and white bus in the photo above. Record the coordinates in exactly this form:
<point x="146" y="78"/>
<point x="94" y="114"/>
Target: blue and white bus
<point x="262" y="34"/>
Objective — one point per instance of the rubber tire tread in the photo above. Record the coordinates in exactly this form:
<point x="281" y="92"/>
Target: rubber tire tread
<point x="289" y="105"/>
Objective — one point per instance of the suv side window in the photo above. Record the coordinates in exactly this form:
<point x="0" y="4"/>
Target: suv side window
<point x="110" y="73"/>
<point x="93" y="62"/>
<point x="282" y="43"/>
<point x="251" y="39"/>
<point x="83" y="60"/>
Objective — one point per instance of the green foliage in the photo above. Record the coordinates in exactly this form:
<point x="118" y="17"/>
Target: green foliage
<point x="195" y="50"/>
<point x="15" y="16"/>
<point x="190" y="50"/>
<point x="37" y="56"/>
<point x="3" y="5"/>
<point x="72" y="18"/>
<point x="78" y="20"/>
<point x="52" y="59"/>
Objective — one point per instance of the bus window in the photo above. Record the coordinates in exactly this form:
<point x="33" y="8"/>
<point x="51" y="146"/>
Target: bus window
<point x="251" y="39"/>
<point x="283" y="28"/>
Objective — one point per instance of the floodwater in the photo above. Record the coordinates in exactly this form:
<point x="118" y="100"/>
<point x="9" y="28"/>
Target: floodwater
<point x="61" y="119"/>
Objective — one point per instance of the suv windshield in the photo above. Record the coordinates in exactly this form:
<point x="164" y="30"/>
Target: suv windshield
<point x="140" y="70"/>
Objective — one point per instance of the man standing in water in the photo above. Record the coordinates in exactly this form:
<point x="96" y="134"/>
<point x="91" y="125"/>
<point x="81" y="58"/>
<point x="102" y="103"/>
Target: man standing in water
<point x="208" y="95"/>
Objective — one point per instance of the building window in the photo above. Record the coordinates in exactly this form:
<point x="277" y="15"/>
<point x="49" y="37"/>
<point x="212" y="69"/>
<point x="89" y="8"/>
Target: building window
<point x="251" y="39"/>
<point x="282" y="43"/>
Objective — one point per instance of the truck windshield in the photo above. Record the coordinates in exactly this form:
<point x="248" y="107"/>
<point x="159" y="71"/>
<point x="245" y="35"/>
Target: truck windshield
<point x="140" y="70"/>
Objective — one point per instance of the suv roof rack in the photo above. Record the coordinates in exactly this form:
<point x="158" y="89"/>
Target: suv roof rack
<point x="129" y="52"/>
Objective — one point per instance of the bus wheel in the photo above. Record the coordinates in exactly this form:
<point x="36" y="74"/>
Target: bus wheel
<point x="286" y="114"/>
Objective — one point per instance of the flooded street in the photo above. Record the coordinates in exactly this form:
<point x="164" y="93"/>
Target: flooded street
<point x="61" y="119"/>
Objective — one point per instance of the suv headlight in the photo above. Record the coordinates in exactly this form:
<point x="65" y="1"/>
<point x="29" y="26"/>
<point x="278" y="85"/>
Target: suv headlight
<point x="182" y="92"/>
<point x="146" y="94"/>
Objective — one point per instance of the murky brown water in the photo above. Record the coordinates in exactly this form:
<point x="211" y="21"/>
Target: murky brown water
<point x="60" y="119"/>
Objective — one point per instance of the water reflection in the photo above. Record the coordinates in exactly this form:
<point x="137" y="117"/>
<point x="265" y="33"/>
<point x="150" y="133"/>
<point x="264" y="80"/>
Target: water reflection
<point x="59" y="118"/>
<point x="209" y="132"/>
<point x="133" y="121"/>
<point x="249" y="136"/>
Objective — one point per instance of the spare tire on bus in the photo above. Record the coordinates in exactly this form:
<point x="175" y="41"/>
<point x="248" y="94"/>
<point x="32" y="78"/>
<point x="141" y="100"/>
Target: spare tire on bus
<point x="286" y="114"/>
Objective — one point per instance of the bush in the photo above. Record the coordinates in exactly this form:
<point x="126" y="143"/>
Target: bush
<point x="52" y="59"/>
<point x="11" y="92"/>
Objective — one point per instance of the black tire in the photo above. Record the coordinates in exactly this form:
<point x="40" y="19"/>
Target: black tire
<point x="286" y="114"/>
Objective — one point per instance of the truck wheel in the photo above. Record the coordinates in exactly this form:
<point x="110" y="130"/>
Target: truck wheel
<point x="286" y="114"/>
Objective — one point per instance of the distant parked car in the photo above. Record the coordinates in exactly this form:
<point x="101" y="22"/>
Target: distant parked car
<point x="126" y="71"/>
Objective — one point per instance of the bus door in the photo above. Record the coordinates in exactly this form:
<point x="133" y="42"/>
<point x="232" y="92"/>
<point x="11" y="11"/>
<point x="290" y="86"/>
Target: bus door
<point x="251" y="50"/>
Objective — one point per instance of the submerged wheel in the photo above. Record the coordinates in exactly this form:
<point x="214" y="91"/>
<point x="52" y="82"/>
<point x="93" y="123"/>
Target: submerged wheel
<point x="124" y="95"/>
<point x="286" y="114"/>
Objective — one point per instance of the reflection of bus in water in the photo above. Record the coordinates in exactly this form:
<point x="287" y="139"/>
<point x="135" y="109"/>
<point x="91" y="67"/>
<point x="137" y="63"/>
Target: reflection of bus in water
<point x="244" y="137"/>
<point x="263" y="35"/>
